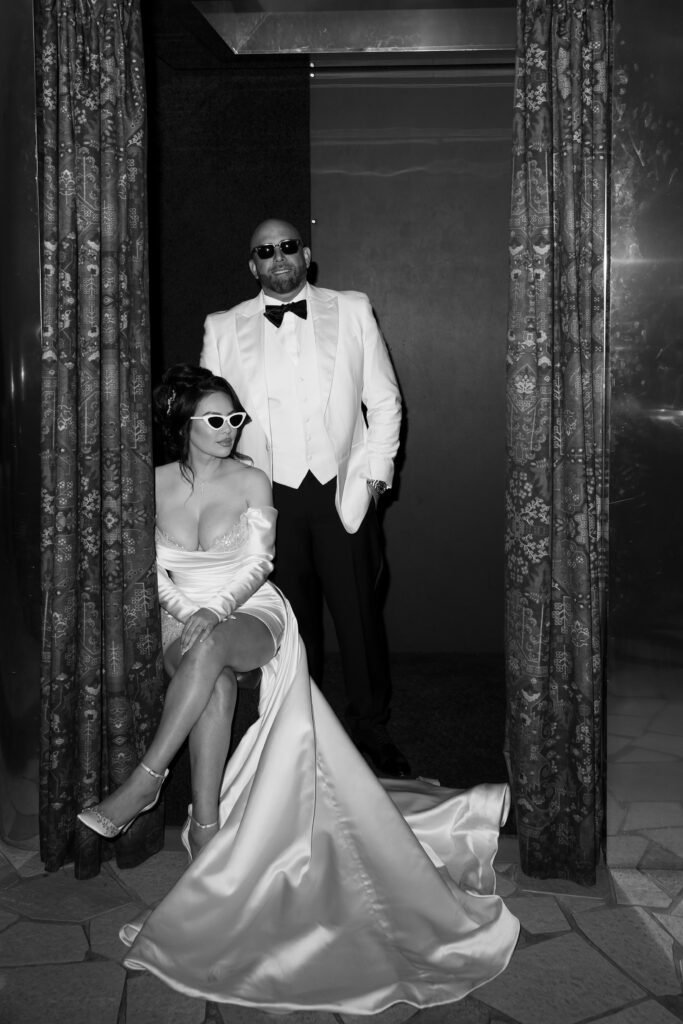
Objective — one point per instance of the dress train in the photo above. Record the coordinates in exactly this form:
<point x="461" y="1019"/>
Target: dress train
<point x="326" y="888"/>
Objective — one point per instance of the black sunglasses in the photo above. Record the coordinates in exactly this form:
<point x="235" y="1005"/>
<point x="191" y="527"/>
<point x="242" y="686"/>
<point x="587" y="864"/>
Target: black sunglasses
<point x="288" y="246"/>
<point x="216" y="421"/>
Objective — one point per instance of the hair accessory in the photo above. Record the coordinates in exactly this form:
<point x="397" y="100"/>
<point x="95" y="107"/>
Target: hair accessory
<point x="171" y="400"/>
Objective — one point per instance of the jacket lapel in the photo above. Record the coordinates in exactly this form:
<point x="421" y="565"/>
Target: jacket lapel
<point x="325" y="315"/>
<point x="250" y="338"/>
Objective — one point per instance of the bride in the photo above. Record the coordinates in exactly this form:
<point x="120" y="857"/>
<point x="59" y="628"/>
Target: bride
<point x="312" y="884"/>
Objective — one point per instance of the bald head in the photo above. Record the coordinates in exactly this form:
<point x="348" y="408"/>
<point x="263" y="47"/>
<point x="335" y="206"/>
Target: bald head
<point x="272" y="229"/>
<point x="281" y="274"/>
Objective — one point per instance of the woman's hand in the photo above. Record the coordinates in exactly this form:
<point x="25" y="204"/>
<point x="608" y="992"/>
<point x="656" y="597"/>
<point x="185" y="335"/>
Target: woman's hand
<point x="197" y="628"/>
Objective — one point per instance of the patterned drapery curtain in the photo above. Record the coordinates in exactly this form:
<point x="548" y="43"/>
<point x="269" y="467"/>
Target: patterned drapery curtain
<point x="102" y="682"/>
<point x="556" y="436"/>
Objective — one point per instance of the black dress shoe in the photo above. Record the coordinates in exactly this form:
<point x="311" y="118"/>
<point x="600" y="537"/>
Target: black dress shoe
<point x="385" y="757"/>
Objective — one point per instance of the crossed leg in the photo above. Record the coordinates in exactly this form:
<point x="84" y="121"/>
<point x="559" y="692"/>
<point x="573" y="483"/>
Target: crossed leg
<point x="208" y="745"/>
<point x="199" y="703"/>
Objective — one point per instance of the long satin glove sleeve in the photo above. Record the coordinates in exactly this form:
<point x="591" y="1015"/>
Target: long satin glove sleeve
<point x="256" y="563"/>
<point x="171" y="598"/>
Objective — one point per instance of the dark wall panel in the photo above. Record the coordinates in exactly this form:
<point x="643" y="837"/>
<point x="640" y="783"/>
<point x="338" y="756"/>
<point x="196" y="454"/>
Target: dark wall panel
<point x="410" y="189"/>
<point x="229" y="146"/>
<point x="645" y="662"/>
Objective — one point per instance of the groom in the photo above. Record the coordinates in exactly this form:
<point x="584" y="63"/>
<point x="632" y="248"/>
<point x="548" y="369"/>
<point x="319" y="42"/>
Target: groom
<point x="304" y="362"/>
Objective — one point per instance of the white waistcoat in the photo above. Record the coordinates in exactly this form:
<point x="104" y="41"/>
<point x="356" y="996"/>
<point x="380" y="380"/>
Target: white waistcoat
<point x="300" y="440"/>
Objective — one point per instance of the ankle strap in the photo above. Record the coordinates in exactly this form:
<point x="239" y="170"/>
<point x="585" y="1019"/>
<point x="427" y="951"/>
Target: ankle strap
<point x="150" y="771"/>
<point x="212" y="824"/>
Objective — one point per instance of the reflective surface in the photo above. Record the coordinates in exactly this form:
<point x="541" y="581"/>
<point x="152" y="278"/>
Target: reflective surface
<point x="19" y="437"/>
<point x="333" y="28"/>
<point x="645" y="664"/>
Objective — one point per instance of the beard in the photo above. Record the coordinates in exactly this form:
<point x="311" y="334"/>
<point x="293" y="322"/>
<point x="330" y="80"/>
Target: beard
<point x="283" y="283"/>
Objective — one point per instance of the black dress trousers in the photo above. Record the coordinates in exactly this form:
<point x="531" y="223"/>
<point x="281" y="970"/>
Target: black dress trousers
<point x="316" y="558"/>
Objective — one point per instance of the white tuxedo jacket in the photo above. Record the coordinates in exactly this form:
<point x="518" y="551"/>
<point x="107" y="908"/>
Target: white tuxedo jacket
<point x="354" y="370"/>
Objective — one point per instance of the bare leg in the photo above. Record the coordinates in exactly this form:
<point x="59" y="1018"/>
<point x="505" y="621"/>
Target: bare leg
<point x="209" y="741"/>
<point x="242" y="642"/>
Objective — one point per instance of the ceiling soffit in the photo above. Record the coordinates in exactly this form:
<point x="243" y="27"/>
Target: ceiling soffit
<point x="332" y="30"/>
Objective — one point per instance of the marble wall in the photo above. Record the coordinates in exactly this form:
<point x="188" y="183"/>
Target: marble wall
<point x="645" y="659"/>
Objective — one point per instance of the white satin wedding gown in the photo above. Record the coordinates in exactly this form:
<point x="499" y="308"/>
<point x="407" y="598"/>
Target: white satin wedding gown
<point x="325" y="888"/>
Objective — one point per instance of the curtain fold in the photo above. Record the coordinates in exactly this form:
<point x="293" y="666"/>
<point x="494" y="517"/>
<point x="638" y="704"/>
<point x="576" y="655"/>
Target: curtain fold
<point x="556" y="436"/>
<point x="102" y="680"/>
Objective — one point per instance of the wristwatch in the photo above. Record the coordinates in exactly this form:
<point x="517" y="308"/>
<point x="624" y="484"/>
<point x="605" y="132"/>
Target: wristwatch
<point x="378" y="485"/>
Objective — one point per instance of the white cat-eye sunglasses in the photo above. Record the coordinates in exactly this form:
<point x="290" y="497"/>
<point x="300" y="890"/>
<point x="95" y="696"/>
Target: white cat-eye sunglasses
<point x="216" y="421"/>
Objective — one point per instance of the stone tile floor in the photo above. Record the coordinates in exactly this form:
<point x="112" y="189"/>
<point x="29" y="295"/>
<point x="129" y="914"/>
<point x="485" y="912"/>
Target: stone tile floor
<point x="611" y="954"/>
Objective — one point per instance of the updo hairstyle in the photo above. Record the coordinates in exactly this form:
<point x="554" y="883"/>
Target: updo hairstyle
<point x="175" y="400"/>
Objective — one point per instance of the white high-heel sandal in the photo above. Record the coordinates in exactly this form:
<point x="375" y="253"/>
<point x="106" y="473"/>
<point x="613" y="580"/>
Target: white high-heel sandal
<point x="185" y="832"/>
<point x="104" y="826"/>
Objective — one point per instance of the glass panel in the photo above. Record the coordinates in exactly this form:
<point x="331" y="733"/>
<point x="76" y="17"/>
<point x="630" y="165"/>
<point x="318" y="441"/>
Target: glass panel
<point x="19" y="437"/>
<point x="645" y="666"/>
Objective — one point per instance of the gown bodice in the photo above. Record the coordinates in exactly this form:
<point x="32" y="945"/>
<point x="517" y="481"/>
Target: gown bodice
<point x="221" y="577"/>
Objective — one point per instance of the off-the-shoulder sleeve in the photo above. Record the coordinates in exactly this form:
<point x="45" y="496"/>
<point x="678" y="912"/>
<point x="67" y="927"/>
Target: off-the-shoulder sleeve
<point x="171" y="598"/>
<point x="255" y="567"/>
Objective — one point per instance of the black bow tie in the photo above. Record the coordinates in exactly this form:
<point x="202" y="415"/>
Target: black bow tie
<point x="276" y="313"/>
